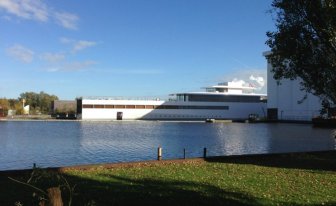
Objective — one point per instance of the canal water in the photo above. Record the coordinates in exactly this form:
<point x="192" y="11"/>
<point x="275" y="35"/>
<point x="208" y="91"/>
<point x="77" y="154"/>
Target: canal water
<point x="51" y="144"/>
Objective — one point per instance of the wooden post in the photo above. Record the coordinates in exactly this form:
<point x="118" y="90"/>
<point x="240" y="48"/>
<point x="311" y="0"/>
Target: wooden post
<point x="159" y="157"/>
<point x="204" y="152"/>
<point x="55" y="197"/>
<point x="184" y="153"/>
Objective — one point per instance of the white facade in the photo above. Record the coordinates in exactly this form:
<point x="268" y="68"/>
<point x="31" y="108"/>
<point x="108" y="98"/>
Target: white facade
<point x="223" y="101"/>
<point x="286" y="99"/>
<point x="26" y="110"/>
<point x="175" y="110"/>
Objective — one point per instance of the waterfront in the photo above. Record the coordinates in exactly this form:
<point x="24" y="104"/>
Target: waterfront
<point x="50" y="144"/>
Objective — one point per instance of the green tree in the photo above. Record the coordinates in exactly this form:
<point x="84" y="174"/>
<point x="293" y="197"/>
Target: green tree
<point x="39" y="102"/>
<point x="5" y="106"/>
<point x="18" y="108"/>
<point x="13" y="104"/>
<point x="304" y="45"/>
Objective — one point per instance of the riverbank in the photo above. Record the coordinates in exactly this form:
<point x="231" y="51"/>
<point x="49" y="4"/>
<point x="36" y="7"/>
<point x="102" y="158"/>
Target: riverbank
<point x="277" y="179"/>
<point x="51" y="119"/>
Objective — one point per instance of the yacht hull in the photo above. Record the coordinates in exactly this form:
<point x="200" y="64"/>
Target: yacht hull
<point x="168" y="110"/>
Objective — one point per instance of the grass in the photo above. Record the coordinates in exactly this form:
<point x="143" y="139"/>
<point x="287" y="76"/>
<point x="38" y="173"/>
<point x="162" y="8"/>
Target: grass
<point x="287" y="179"/>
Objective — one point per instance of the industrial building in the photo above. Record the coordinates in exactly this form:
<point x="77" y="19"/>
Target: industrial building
<point x="285" y="99"/>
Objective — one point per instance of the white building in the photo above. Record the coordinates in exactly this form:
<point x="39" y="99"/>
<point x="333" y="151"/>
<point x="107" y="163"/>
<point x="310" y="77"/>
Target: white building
<point x="284" y="99"/>
<point x="26" y="110"/>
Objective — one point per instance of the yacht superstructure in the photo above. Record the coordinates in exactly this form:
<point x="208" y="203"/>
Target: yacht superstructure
<point x="229" y="100"/>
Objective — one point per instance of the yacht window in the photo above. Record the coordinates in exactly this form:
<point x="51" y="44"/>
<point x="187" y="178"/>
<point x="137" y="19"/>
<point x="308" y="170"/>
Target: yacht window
<point x="223" y="98"/>
<point x="210" y="89"/>
<point x="221" y="90"/>
<point x="87" y="106"/>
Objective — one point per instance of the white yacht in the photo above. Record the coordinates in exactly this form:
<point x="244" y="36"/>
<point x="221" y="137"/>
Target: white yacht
<point x="229" y="100"/>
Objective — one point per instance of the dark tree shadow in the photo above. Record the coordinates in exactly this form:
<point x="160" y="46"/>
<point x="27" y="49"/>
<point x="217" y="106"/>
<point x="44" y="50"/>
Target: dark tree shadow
<point x="116" y="190"/>
<point x="126" y="191"/>
<point x="318" y="161"/>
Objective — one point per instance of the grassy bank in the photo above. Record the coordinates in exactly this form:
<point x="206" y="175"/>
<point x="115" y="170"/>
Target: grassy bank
<point x="291" y="179"/>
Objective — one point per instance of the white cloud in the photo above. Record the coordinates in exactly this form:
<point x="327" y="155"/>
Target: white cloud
<point x="67" y="20"/>
<point x="134" y="71"/>
<point x="39" y="11"/>
<point x="238" y="82"/>
<point x="254" y="77"/>
<point x="258" y="79"/>
<point x="78" y="45"/>
<point x="72" y="66"/>
<point x="21" y="53"/>
<point x="52" y="57"/>
<point x="64" y="40"/>
<point x="27" y="9"/>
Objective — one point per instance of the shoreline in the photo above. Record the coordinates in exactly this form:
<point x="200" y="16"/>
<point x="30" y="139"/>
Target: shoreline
<point x="153" y="120"/>
<point x="237" y="158"/>
<point x="39" y="120"/>
<point x="80" y="120"/>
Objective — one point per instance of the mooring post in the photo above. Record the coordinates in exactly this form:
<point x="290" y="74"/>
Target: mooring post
<point x="55" y="196"/>
<point x="159" y="157"/>
<point x="184" y="153"/>
<point x="204" y="152"/>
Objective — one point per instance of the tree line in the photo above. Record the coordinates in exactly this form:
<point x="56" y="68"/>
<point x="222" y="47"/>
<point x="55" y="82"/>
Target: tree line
<point x="39" y="103"/>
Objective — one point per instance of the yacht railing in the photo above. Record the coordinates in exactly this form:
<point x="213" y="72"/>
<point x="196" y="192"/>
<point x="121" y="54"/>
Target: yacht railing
<point x="126" y="98"/>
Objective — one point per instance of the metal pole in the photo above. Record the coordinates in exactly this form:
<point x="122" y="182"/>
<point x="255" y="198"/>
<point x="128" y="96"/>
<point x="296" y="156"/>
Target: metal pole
<point x="159" y="157"/>
<point x="184" y="153"/>
<point x="204" y="152"/>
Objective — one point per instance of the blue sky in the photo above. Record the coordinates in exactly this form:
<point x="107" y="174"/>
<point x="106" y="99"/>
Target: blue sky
<point x="130" y="47"/>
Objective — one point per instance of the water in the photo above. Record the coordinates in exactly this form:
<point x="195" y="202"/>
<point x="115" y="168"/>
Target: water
<point x="51" y="144"/>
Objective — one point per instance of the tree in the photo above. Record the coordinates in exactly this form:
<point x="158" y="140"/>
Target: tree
<point x="39" y="102"/>
<point x="4" y="106"/>
<point x="304" y="45"/>
<point x="12" y="104"/>
<point x="18" y="108"/>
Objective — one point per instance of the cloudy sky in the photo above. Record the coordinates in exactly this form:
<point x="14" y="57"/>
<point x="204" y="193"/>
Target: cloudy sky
<point x="130" y="47"/>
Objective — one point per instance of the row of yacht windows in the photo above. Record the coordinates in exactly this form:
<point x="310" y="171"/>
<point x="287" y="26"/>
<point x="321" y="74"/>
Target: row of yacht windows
<point x="217" y="98"/>
<point x="102" y="106"/>
<point x="184" y="116"/>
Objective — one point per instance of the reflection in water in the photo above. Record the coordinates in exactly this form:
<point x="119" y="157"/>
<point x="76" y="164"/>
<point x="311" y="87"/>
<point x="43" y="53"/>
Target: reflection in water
<point x="299" y="137"/>
<point x="242" y="139"/>
<point x="333" y="135"/>
<point x="118" y="141"/>
<point x="44" y="143"/>
<point x="69" y="143"/>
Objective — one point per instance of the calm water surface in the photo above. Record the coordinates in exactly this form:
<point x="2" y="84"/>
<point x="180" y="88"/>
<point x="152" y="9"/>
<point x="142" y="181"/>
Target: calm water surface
<point x="50" y="144"/>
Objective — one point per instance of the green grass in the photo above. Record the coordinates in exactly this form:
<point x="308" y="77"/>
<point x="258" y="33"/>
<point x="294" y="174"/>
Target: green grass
<point x="292" y="179"/>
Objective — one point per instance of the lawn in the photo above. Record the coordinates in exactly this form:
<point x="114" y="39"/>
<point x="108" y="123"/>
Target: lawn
<point x="286" y="179"/>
